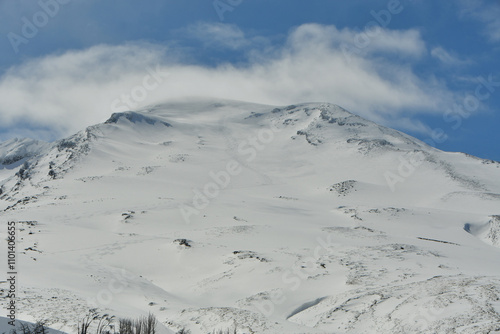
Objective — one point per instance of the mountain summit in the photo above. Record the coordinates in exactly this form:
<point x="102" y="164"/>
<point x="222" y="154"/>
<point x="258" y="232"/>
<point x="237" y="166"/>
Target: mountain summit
<point x="216" y="214"/>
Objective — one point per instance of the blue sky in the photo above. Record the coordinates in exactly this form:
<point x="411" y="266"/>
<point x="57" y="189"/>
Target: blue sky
<point x="428" y="68"/>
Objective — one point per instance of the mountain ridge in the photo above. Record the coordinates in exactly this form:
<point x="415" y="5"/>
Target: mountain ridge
<point x="302" y="218"/>
<point x="340" y="117"/>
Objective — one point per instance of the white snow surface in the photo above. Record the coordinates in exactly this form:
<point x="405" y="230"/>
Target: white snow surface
<point x="14" y="152"/>
<point x="216" y="214"/>
<point x="16" y="149"/>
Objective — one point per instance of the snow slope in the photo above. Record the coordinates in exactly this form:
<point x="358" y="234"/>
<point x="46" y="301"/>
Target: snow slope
<point x="15" y="150"/>
<point x="217" y="214"/>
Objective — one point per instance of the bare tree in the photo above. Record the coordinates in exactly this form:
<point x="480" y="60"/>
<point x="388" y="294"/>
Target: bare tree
<point x="23" y="328"/>
<point x="84" y="324"/>
<point x="125" y="326"/>
<point x="105" y="324"/>
<point x="138" y="326"/>
<point x="37" y="328"/>
<point x="149" y="324"/>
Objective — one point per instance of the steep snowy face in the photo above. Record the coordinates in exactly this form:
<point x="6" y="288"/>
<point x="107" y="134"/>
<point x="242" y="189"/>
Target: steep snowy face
<point x="292" y="219"/>
<point x="15" y="150"/>
<point x="37" y="162"/>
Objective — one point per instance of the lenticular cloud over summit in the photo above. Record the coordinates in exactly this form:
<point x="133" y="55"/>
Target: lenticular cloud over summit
<point x="53" y="96"/>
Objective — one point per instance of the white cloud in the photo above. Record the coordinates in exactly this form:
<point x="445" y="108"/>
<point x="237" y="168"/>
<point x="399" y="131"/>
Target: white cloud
<point x="217" y="34"/>
<point x="369" y="41"/>
<point x="486" y="12"/>
<point x="447" y="58"/>
<point x="66" y="92"/>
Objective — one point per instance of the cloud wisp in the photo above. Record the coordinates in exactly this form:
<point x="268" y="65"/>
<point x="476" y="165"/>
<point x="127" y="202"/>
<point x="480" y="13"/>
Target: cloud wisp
<point x="447" y="58"/>
<point x="486" y="12"/>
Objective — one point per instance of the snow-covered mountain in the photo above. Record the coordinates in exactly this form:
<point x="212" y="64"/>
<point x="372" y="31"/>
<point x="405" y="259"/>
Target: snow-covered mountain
<point x="16" y="150"/>
<point x="223" y="214"/>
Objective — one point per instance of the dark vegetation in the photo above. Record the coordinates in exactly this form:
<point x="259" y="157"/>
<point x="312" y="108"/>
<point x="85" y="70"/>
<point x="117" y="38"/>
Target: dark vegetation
<point x="96" y="323"/>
